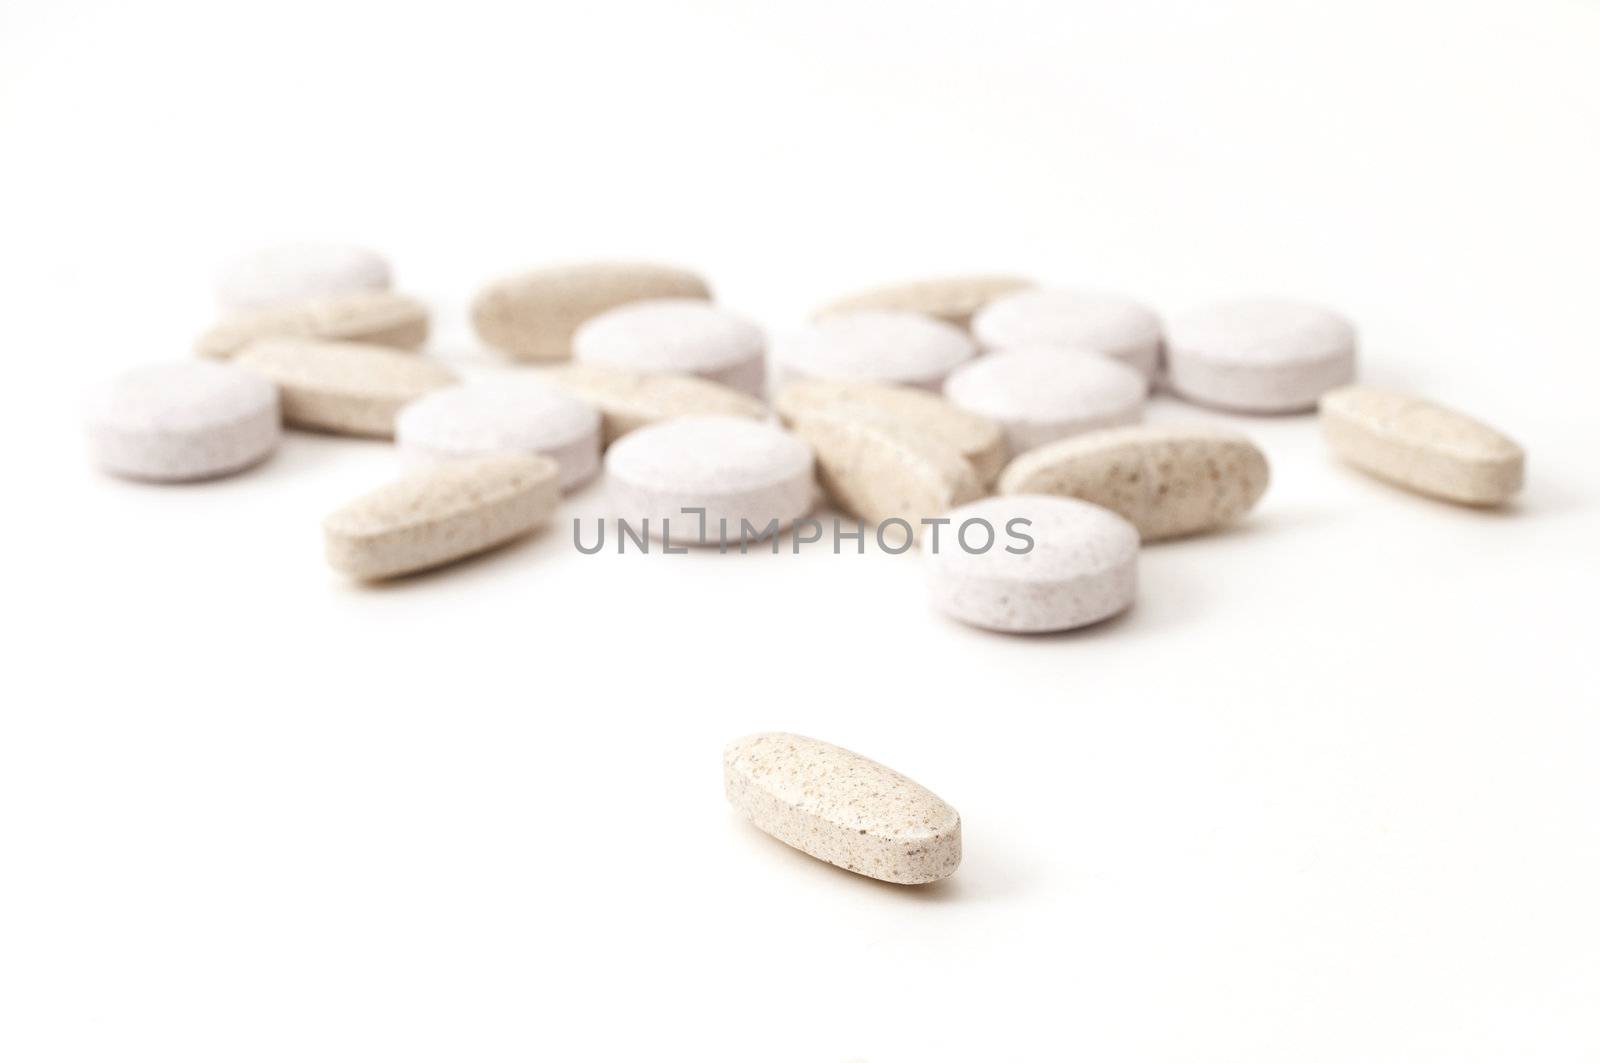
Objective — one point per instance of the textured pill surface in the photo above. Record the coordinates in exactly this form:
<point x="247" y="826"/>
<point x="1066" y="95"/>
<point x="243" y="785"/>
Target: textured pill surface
<point x="386" y="319"/>
<point x="879" y="471"/>
<point x="442" y="513"/>
<point x="1166" y="480"/>
<point x="840" y="807"/>
<point x="1081" y="567"/>
<point x="953" y="299"/>
<point x="1260" y="355"/>
<point x="977" y="439"/>
<point x="182" y="421"/>
<point x="1041" y="394"/>
<point x="683" y="336"/>
<point x="1087" y="321"/>
<point x="348" y="388"/>
<point x="1422" y="446"/>
<point x="628" y="400"/>
<point x="290" y="273"/>
<point x="518" y="415"/>
<point x="532" y="316"/>
<point x="737" y="470"/>
<point x="890" y="347"/>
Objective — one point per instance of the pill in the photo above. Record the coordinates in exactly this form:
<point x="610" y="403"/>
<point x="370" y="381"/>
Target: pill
<point x="498" y="416"/>
<point x="887" y="346"/>
<point x="953" y="299"/>
<point x="348" y="388"/>
<point x="1041" y="394"/>
<point x="387" y="319"/>
<point x="877" y="471"/>
<point x="441" y="513"/>
<point x="1087" y="321"/>
<point x="1260" y="355"/>
<point x="842" y="808"/>
<point x="290" y="273"/>
<point x="1032" y="563"/>
<point x="628" y="400"/>
<point x="182" y="421"/>
<point x="531" y="316"/>
<point x="1422" y="446"/>
<point x="684" y="336"/>
<point x="977" y="439"/>
<point x="752" y="479"/>
<point x="1166" y="480"/>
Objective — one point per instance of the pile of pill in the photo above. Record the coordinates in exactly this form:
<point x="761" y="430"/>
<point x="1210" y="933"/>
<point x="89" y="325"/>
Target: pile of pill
<point x="1000" y="422"/>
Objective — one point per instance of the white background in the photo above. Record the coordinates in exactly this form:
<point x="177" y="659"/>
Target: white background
<point x="1329" y="792"/>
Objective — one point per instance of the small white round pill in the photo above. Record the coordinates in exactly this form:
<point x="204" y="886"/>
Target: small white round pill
<point x="183" y="421"/>
<point x="1260" y="355"/>
<point x="503" y="416"/>
<point x="1041" y="394"/>
<point x="1086" y="321"/>
<point x="737" y="470"/>
<point x="686" y="336"/>
<point x="1031" y="563"/>
<point x="291" y="272"/>
<point x="885" y="346"/>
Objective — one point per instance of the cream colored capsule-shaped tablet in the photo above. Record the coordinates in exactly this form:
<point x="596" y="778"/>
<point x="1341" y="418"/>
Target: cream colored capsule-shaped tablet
<point x="1165" y="480"/>
<point x="977" y="439"/>
<point x="442" y="513"/>
<point x="352" y="389"/>
<point x="879" y="471"/>
<point x="1422" y="446"/>
<point x="628" y="400"/>
<point x="954" y="298"/>
<point x="531" y="316"/>
<point x="840" y="807"/>
<point x="387" y="319"/>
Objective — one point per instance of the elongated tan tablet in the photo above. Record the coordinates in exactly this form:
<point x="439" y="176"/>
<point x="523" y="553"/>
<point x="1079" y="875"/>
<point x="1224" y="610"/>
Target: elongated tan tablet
<point x="531" y="316"/>
<point x="387" y="319"/>
<point x="442" y="513"/>
<point x="688" y="336"/>
<point x="628" y="400"/>
<point x="1041" y="394"/>
<point x="886" y="346"/>
<point x="288" y="273"/>
<point x="840" y="807"/>
<point x="352" y="389"/>
<point x="1165" y="480"/>
<point x="952" y="298"/>
<point x="977" y="439"/>
<point x="519" y="415"/>
<point x="1260" y="355"/>
<point x="1422" y="446"/>
<point x="876" y="471"/>
<point x="1087" y="321"/>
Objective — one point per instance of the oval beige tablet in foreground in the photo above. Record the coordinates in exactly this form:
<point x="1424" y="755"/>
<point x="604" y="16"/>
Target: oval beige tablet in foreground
<point x="840" y="807"/>
<point x="532" y="316"/>
<point x="383" y="318"/>
<point x="878" y="471"/>
<point x="442" y="513"/>
<point x="954" y="299"/>
<point x="628" y="400"/>
<point x="1423" y="446"/>
<point x="1165" y="480"/>
<point x="977" y="439"/>
<point x="353" y="389"/>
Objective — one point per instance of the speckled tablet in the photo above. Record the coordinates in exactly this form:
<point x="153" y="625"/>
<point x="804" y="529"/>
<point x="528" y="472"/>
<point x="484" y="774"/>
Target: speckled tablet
<point x="953" y="298"/>
<point x="386" y="319"/>
<point x="842" y="808"/>
<point x="1088" y="321"/>
<point x="1041" y="394"/>
<point x="1260" y="355"/>
<point x="885" y="346"/>
<point x="509" y="414"/>
<point x="349" y="388"/>
<point x="290" y="273"/>
<point x="628" y="400"/>
<point x="684" y="336"/>
<point x="877" y="471"/>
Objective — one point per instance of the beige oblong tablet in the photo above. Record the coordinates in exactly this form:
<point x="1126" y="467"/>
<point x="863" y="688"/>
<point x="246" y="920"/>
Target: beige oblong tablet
<point x="442" y="513"/>
<point x="352" y="389"/>
<point x="387" y="319"/>
<point x="840" y="807"/>
<point x="628" y="400"/>
<point x="879" y="471"/>
<point x="954" y="298"/>
<point x="977" y="439"/>
<point x="1165" y="480"/>
<point x="531" y="316"/>
<point x="1421" y="445"/>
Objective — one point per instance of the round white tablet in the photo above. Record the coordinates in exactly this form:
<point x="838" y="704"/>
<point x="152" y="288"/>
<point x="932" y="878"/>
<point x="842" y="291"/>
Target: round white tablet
<point x="1027" y="563"/>
<point x="886" y="346"/>
<point x="499" y="416"/>
<point x="1260" y="355"/>
<point x="183" y="421"/>
<point x="1086" y="321"/>
<point x="291" y="272"/>
<point x="686" y="336"/>
<point x="754" y="476"/>
<point x="1041" y="394"/>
